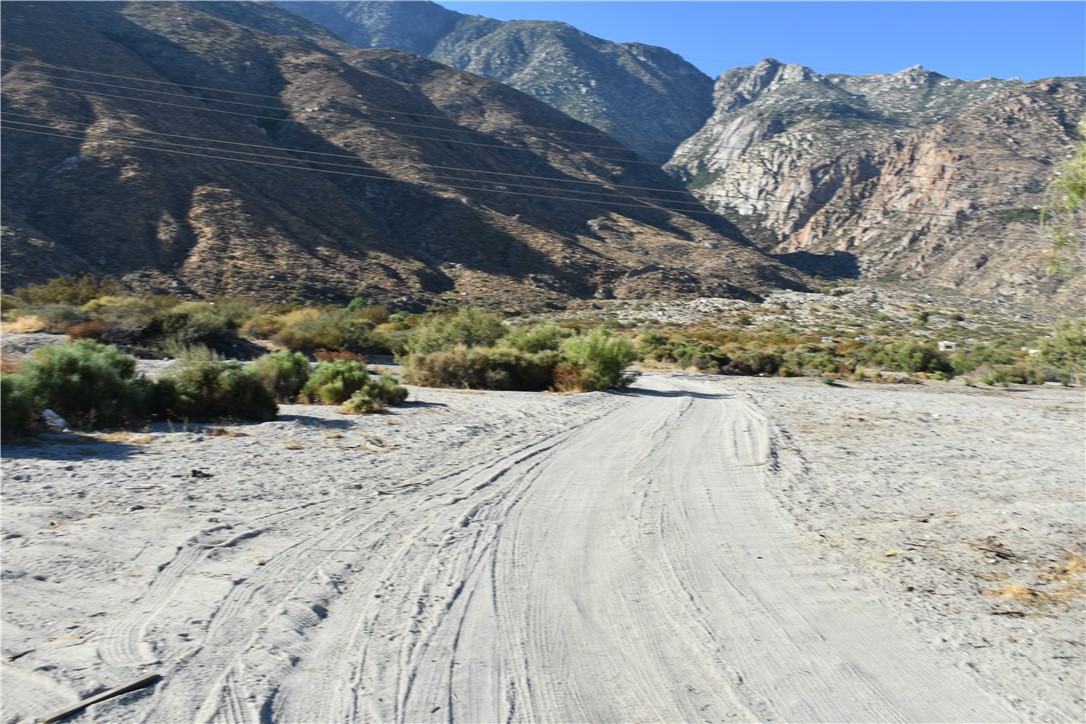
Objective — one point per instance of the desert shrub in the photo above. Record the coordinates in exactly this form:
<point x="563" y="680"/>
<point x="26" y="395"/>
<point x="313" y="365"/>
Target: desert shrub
<point x="652" y="344"/>
<point x="87" y="383"/>
<point x="284" y="373"/>
<point x="60" y="316"/>
<point x="535" y="338"/>
<point x="95" y="329"/>
<point x="129" y="320"/>
<point x="373" y="313"/>
<point x="908" y="356"/>
<point x="16" y="407"/>
<point x="375" y="396"/>
<point x="482" y="368"/>
<point x="1065" y="350"/>
<point x="602" y="359"/>
<point x="468" y="327"/>
<point x="756" y="361"/>
<point x="331" y="383"/>
<point x="203" y="323"/>
<point x="213" y="390"/>
<point x="75" y="290"/>
<point x="306" y="330"/>
<point x="330" y="355"/>
<point x="263" y="326"/>
<point x="687" y="353"/>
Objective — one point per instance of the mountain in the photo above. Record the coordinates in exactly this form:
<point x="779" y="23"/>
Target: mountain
<point x="910" y="176"/>
<point x="236" y="148"/>
<point x="647" y="97"/>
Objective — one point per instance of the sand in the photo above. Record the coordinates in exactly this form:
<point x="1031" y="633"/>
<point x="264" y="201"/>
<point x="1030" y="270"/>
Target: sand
<point x="696" y="548"/>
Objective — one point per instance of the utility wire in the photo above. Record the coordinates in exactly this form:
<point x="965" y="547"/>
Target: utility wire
<point x="698" y="205"/>
<point x="371" y="109"/>
<point x="113" y="136"/>
<point x="573" y="199"/>
<point x="645" y="207"/>
<point x="682" y="192"/>
<point x="367" y="110"/>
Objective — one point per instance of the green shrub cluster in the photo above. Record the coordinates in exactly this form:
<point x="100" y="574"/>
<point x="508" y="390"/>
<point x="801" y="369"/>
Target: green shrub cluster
<point x="87" y="383"/>
<point x="684" y="352"/>
<point x="16" y="408"/>
<point x="285" y="373"/>
<point x="601" y="358"/>
<point x="349" y="383"/>
<point x="483" y="368"/>
<point x="332" y="383"/>
<point x="474" y="349"/>
<point x="214" y="390"/>
<point x="375" y="396"/>
<point x="308" y="330"/>
<point x="467" y="327"/>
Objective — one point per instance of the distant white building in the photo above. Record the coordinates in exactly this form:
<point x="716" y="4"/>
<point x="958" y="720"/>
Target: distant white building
<point x="945" y="346"/>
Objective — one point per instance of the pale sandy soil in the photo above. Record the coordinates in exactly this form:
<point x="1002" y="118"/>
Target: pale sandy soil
<point x="694" y="549"/>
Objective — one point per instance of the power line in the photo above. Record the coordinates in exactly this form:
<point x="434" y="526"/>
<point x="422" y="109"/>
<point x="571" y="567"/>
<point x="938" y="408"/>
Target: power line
<point x="697" y="204"/>
<point x="362" y="110"/>
<point x="114" y="136"/>
<point x="645" y="207"/>
<point x="682" y="192"/>
<point x="367" y="110"/>
<point x="688" y="212"/>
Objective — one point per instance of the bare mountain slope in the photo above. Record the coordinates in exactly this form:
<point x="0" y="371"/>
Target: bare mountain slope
<point x="647" y="97"/>
<point x="235" y="148"/>
<point x="910" y="176"/>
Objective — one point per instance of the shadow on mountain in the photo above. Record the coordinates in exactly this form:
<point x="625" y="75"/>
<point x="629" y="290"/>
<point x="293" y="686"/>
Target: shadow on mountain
<point x="835" y="266"/>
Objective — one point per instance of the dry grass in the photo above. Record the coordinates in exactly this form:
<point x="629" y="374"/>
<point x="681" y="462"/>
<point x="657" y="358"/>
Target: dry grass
<point x="124" y="436"/>
<point x="9" y="363"/>
<point x="23" y="325"/>
<point x="1060" y="584"/>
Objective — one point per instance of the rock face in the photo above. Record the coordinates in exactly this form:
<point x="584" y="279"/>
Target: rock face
<point x="910" y="176"/>
<point x="647" y="97"/>
<point x="235" y="148"/>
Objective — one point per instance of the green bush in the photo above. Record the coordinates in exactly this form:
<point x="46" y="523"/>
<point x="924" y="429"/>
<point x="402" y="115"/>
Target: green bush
<point x="16" y="408"/>
<point x="76" y="290"/>
<point x="375" y="396"/>
<point x="756" y="362"/>
<point x="88" y="383"/>
<point x="1065" y="350"/>
<point x="602" y="359"/>
<point x="307" y="330"/>
<point x="205" y="323"/>
<point x="908" y="356"/>
<point x="332" y="383"/>
<point x="284" y="373"/>
<point x="535" y="338"/>
<point x="213" y="390"/>
<point x="482" y="368"/>
<point x="59" y="317"/>
<point x="468" y="327"/>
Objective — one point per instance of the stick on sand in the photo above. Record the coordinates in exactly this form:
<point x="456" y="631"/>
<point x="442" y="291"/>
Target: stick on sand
<point x="74" y="708"/>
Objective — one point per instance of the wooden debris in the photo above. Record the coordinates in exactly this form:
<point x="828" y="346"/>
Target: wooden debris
<point x="76" y="708"/>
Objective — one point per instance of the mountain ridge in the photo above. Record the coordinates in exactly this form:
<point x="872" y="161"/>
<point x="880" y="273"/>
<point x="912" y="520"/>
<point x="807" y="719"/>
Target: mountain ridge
<point x="421" y="191"/>
<point x="651" y="99"/>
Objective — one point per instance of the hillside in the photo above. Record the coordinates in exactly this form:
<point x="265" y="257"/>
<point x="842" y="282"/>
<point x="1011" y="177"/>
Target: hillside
<point x="647" y="97"/>
<point x="234" y="148"/>
<point x="910" y="177"/>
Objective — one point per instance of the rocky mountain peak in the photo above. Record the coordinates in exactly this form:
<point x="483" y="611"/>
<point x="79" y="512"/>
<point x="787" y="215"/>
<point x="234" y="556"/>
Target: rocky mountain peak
<point x="646" y="97"/>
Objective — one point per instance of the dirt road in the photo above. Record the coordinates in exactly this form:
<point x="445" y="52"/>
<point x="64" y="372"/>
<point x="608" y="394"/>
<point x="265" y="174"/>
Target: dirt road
<point x="613" y="561"/>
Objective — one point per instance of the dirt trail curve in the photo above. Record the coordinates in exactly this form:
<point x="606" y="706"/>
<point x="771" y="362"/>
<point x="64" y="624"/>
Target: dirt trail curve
<point x="632" y="569"/>
<point x="634" y="557"/>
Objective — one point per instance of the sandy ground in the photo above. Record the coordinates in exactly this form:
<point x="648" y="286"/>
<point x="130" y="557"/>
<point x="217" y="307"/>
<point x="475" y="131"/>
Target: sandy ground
<point x="694" y="549"/>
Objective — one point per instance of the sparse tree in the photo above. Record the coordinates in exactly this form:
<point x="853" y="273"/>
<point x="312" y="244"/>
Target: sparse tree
<point x="1063" y="216"/>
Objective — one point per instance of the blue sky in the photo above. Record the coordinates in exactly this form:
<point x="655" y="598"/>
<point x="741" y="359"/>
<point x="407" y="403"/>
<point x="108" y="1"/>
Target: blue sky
<point x="967" y="40"/>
